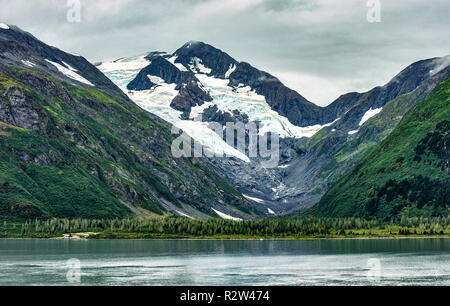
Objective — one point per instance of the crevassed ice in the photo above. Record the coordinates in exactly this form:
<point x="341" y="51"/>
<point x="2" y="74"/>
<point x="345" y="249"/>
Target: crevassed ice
<point x="248" y="102"/>
<point x="70" y="73"/>
<point x="369" y="114"/>
<point x="157" y="101"/>
<point x="225" y="216"/>
<point x="123" y="71"/>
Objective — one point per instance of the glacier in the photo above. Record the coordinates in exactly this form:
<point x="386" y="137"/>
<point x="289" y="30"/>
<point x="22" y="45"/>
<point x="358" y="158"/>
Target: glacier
<point x="158" y="99"/>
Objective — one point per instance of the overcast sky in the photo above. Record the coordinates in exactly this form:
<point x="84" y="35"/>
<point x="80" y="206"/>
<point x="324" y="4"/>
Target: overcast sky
<point x="321" y="48"/>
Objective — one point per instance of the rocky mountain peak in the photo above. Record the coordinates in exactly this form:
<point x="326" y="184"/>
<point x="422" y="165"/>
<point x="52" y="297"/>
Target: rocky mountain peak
<point x="198" y="55"/>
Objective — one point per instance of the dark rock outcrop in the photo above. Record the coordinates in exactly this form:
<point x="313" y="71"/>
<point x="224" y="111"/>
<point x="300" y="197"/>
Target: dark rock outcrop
<point x="16" y="110"/>
<point x="218" y="61"/>
<point x="17" y="46"/>
<point x="163" y="69"/>
<point x="190" y="95"/>
<point x="213" y="114"/>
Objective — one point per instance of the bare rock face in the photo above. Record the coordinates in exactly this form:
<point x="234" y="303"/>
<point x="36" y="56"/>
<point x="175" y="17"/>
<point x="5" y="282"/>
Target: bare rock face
<point x="190" y="95"/>
<point x="16" y="110"/>
<point x="163" y="69"/>
<point x="219" y="62"/>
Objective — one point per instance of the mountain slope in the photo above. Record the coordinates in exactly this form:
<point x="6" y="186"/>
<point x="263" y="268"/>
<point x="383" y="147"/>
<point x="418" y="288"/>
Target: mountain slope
<point x="73" y="145"/>
<point x="325" y="157"/>
<point x="408" y="173"/>
<point x="343" y="150"/>
<point x="199" y="84"/>
<point x="281" y="99"/>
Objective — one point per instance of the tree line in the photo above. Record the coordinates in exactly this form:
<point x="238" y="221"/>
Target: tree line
<point x="289" y="226"/>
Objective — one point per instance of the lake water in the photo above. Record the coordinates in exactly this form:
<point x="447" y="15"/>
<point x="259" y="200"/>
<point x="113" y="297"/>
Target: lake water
<point x="228" y="263"/>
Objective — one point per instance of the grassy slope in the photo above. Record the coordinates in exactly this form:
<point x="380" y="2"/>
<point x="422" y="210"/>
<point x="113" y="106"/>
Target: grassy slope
<point x="406" y="174"/>
<point x="95" y="156"/>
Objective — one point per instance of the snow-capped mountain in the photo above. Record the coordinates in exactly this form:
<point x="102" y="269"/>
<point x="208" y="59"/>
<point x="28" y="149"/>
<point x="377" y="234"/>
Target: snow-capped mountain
<point x="191" y="88"/>
<point x="198" y="84"/>
<point x="72" y="144"/>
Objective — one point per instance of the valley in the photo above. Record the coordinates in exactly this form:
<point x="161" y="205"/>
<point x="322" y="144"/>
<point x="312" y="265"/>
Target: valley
<point x="108" y="132"/>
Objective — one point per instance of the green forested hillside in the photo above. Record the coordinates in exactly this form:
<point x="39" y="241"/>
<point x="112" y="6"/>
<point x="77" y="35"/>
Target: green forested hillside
<point x="408" y="174"/>
<point x="69" y="151"/>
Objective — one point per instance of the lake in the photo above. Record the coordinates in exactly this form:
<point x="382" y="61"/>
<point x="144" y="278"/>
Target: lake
<point x="227" y="263"/>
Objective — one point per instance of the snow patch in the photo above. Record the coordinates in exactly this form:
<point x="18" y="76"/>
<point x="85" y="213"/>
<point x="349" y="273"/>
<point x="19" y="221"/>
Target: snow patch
<point x="4" y="26"/>
<point x="178" y="65"/>
<point x="271" y="211"/>
<point x="230" y="71"/>
<point x="440" y="64"/>
<point x="225" y="216"/>
<point x="157" y="101"/>
<point x="369" y="114"/>
<point x="156" y="79"/>
<point x="283" y="166"/>
<point x="70" y="73"/>
<point x="253" y="199"/>
<point x="353" y="132"/>
<point x="70" y="67"/>
<point x="28" y="63"/>
<point x="183" y="214"/>
<point x="197" y="65"/>
<point x="279" y="188"/>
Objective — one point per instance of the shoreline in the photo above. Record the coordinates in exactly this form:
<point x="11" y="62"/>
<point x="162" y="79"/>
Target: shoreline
<point x="77" y="238"/>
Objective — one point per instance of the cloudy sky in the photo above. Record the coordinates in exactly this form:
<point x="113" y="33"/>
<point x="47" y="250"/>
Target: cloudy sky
<point x="322" y="48"/>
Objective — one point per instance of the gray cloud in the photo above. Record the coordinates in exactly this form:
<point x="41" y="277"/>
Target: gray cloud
<point x="322" y="48"/>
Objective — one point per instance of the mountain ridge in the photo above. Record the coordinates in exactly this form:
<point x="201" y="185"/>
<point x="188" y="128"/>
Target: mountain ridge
<point x="407" y="174"/>
<point x="310" y="156"/>
<point x="70" y="149"/>
<point x="42" y="87"/>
